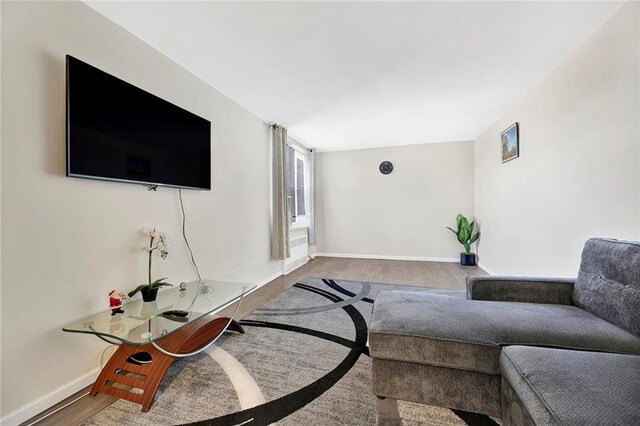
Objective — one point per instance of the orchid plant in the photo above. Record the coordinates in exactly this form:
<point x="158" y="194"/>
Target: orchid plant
<point x="157" y="243"/>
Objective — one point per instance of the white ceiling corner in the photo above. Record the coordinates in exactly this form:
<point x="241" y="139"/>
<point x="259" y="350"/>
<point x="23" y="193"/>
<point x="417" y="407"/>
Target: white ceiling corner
<point x="349" y="75"/>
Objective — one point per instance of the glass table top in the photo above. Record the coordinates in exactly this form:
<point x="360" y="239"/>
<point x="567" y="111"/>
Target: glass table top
<point x="144" y="322"/>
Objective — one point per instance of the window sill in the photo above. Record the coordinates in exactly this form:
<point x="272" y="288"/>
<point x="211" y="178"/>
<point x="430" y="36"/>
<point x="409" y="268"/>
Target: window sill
<point x="298" y="227"/>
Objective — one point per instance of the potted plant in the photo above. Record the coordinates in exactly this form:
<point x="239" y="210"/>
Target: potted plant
<point x="466" y="237"/>
<point x="156" y="244"/>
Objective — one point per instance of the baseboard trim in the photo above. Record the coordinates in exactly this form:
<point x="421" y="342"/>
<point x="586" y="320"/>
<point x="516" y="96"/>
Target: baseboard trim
<point x="386" y="257"/>
<point x="41" y="404"/>
<point x="266" y="281"/>
<point x="297" y="266"/>
<point x="47" y="401"/>
<point x="487" y="270"/>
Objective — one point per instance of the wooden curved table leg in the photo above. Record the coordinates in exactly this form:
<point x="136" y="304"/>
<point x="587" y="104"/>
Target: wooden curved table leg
<point x="139" y="383"/>
<point x="136" y="383"/>
<point x="235" y="326"/>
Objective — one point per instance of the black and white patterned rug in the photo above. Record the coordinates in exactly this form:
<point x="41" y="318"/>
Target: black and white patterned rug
<point x="302" y="361"/>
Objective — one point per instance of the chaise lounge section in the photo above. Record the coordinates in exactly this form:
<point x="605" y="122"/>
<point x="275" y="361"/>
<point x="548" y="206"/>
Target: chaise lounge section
<point x="445" y="351"/>
<point x="543" y="386"/>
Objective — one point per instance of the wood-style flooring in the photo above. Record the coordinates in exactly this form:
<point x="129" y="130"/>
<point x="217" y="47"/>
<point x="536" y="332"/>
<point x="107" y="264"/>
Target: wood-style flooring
<point x="79" y="407"/>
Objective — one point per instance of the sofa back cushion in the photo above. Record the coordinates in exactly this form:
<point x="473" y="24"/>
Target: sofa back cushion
<point x="608" y="284"/>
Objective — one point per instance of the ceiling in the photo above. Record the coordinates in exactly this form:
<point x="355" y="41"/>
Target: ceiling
<point x="349" y="75"/>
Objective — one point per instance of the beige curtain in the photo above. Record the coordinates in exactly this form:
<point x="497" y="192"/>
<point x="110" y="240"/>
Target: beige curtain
<point x="280" y="227"/>
<point x="311" y="211"/>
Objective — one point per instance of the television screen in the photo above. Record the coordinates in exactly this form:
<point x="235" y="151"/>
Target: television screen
<point x="116" y="131"/>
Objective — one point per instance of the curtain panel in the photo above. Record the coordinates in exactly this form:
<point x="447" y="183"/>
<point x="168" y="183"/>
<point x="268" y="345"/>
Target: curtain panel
<point x="281" y="219"/>
<point x="311" y="152"/>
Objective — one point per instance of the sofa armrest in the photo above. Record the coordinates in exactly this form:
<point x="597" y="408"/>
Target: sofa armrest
<point x="521" y="289"/>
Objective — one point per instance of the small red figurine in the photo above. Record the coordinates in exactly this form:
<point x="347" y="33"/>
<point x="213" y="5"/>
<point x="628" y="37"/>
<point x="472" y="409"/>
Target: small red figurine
<point x="115" y="302"/>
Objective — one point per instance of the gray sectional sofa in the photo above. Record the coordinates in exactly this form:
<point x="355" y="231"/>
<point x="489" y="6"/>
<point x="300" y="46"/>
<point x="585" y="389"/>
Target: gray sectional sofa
<point x="446" y="351"/>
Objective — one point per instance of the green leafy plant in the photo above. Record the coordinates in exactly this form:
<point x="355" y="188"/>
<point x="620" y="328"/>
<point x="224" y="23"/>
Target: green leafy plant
<point x="156" y="284"/>
<point x="465" y="234"/>
<point x="157" y="242"/>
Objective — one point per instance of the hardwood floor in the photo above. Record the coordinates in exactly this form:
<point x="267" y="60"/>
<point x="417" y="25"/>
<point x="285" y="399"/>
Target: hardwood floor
<point x="80" y="406"/>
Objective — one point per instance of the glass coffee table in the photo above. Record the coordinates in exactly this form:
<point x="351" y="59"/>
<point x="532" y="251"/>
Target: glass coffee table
<point x="152" y="335"/>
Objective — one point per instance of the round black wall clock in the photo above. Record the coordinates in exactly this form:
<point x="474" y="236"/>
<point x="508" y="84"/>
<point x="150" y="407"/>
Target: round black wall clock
<point x="386" y="167"/>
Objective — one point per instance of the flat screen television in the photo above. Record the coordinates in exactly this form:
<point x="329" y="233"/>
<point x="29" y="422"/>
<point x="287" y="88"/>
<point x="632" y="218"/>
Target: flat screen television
<point x="117" y="131"/>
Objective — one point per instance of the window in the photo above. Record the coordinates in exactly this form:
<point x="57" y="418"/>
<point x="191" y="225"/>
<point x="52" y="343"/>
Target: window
<point x="298" y="185"/>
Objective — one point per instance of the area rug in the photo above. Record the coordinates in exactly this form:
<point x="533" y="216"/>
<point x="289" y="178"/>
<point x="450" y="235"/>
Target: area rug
<point x="302" y="361"/>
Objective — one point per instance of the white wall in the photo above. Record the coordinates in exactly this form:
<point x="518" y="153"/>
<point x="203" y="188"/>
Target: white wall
<point x="360" y="211"/>
<point x="578" y="175"/>
<point x="67" y="242"/>
<point x="0" y="222"/>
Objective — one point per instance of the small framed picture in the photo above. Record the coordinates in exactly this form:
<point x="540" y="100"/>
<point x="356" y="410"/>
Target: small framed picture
<point x="510" y="141"/>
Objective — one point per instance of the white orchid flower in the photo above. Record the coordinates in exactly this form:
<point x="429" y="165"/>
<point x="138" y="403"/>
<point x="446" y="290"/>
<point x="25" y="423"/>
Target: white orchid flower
<point x="156" y="243"/>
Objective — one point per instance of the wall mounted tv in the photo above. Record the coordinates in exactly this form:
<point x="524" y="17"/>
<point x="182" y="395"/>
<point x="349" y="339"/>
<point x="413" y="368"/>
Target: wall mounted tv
<point x="116" y="131"/>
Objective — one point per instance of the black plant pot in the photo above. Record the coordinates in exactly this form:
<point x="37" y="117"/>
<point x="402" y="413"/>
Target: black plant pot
<point x="149" y="294"/>
<point x="468" y="259"/>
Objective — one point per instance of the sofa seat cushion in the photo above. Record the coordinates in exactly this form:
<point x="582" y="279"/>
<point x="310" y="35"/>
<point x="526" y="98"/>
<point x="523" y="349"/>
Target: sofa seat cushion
<point x="543" y="386"/>
<point x="451" y="332"/>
